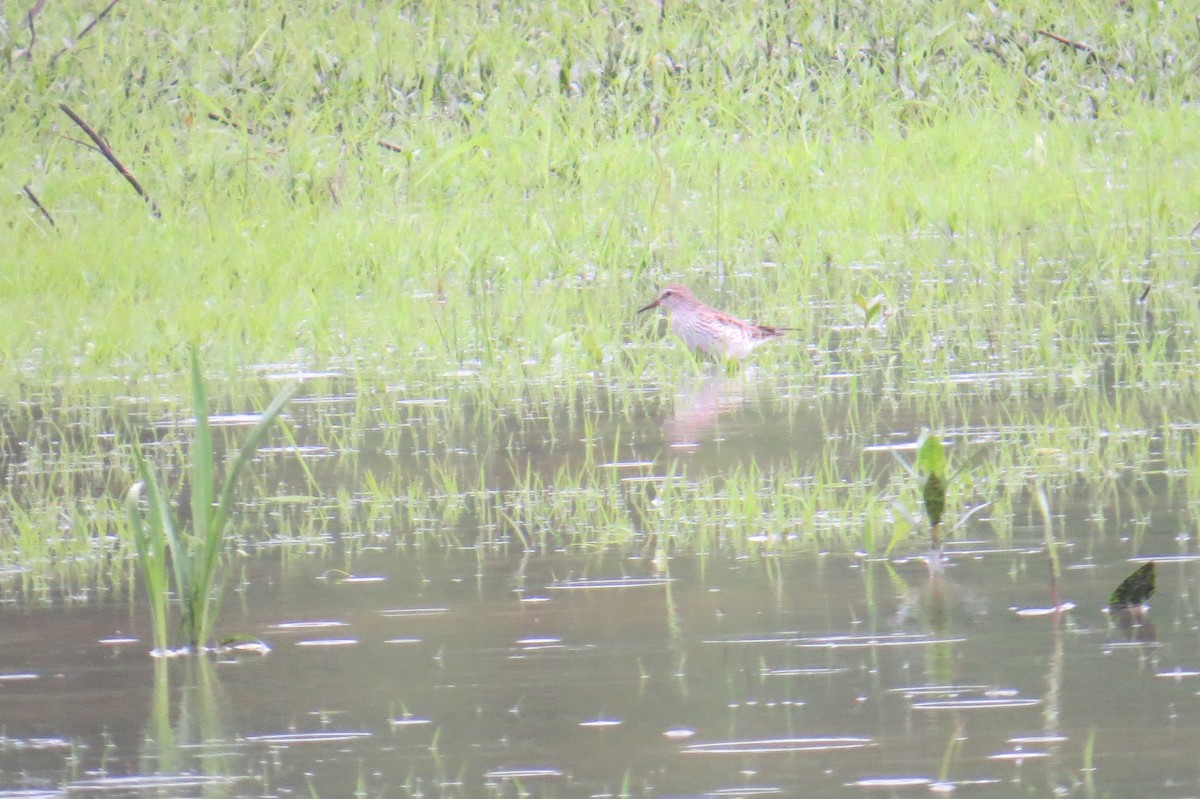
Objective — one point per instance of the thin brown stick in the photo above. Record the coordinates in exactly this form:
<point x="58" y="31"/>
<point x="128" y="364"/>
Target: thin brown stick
<point x="111" y="156"/>
<point x="82" y="143"/>
<point x="38" y="203"/>
<point x="34" y="10"/>
<point x="86" y="29"/>
<point x="30" y="15"/>
<point x="1068" y="42"/>
<point x="225" y="120"/>
<point x="387" y="145"/>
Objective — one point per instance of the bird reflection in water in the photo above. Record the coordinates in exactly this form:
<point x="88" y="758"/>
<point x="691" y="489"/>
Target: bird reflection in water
<point x="700" y="400"/>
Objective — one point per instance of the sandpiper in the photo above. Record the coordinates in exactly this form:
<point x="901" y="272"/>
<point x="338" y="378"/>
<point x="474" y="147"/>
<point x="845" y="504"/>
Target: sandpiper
<point x="708" y="331"/>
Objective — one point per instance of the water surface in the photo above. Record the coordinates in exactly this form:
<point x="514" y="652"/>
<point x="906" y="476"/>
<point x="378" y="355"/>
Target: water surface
<point x="471" y="673"/>
<point x="666" y="596"/>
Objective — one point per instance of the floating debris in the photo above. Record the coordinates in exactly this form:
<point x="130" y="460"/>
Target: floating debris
<point x="242" y="644"/>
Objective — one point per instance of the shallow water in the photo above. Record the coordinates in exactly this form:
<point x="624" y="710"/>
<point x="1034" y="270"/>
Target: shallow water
<point x="480" y="637"/>
<point x="468" y="673"/>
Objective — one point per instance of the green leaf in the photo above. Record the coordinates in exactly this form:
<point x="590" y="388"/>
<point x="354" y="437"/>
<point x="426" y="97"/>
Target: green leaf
<point x="1135" y="589"/>
<point x="931" y="465"/>
<point x="163" y="530"/>
<point x="931" y="457"/>
<point x="870" y="307"/>
<point x="934" y="495"/>
<point x="201" y="454"/>
<point x="152" y="563"/>
<point x="210" y="602"/>
<point x="591" y="346"/>
<point x="903" y="524"/>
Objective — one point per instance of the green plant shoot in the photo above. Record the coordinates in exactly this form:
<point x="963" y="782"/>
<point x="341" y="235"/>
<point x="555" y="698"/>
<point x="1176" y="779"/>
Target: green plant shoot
<point x="194" y="555"/>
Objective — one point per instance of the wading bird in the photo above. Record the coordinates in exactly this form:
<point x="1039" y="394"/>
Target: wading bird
<point x="708" y="331"/>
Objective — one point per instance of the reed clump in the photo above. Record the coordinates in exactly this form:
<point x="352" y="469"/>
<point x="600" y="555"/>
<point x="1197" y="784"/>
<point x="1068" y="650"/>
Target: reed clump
<point x="182" y="559"/>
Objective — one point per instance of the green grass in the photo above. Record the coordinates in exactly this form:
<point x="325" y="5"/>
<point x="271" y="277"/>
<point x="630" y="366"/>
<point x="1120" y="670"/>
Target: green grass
<point x="556" y="167"/>
<point x="182" y="557"/>
<point x="1009" y="198"/>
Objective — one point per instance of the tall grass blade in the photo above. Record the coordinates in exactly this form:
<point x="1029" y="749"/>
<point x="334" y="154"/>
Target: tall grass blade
<point x="201" y="450"/>
<point x="209" y="603"/>
<point x="152" y="561"/>
<point x="165" y="532"/>
<point x="195" y="600"/>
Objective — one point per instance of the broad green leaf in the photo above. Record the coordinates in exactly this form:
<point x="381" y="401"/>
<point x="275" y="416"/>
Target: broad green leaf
<point x="1134" y="589"/>
<point x="934" y="495"/>
<point x="931" y="457"/>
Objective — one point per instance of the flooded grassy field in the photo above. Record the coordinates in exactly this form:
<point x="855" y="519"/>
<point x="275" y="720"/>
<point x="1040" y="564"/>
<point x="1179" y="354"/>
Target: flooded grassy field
<point x="666" y="597"/>
<point x="508" y="538"/>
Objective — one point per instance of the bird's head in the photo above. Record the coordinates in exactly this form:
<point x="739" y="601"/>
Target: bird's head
<point x="670" y="297"/>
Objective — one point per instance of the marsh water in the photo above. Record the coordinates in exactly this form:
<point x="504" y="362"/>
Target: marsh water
<point x="435" y="646"/>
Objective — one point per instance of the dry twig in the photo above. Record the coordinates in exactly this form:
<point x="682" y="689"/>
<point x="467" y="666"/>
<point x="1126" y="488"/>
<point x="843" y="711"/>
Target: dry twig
<point x="107" y="152"/>
<point x="1084" y="48"/>
<point x="38" y="203"/>
<point x="86" y="29"/>
<point x="225" y="120"/>
<point x="34" y="10"/>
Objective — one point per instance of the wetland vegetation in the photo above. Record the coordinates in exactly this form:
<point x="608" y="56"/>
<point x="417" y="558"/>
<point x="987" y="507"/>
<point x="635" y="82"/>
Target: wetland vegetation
<point x="440" y="218"/>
